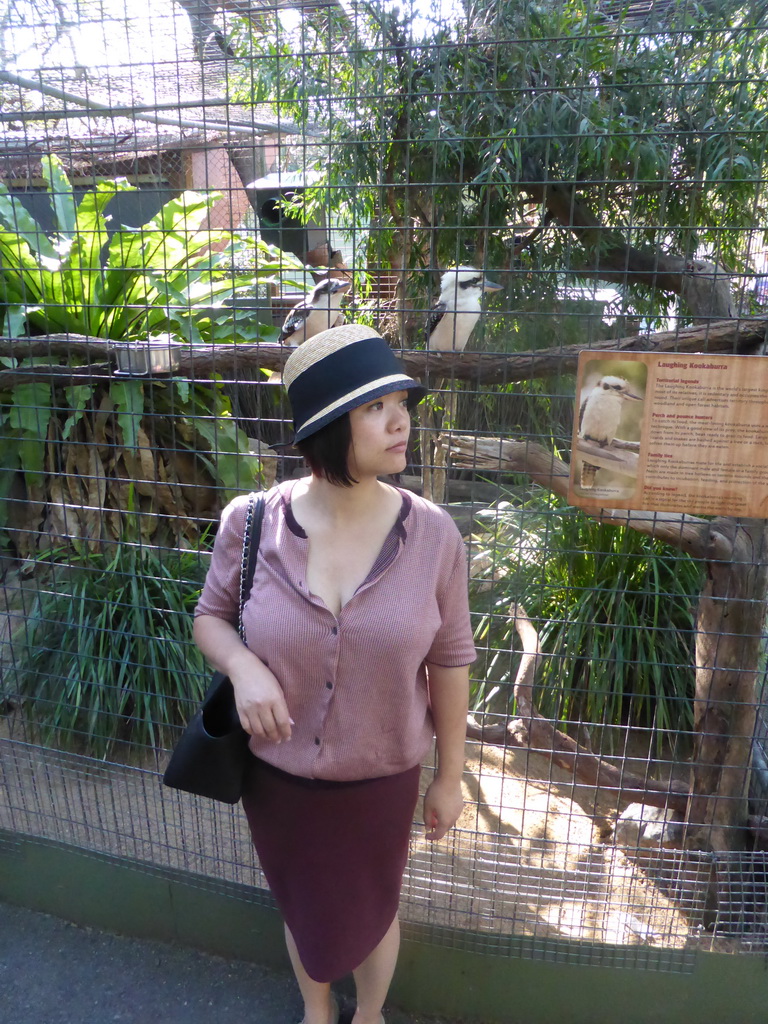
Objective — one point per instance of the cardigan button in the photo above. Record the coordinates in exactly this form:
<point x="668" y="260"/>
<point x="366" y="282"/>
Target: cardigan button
<point x="317" y="741"/>
<point x="329" y="685"/>
<point x="335" y="630"/>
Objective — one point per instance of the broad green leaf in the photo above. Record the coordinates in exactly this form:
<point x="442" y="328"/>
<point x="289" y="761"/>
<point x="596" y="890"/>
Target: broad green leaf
<point x="16" y="218"/>
<point x="32" y="459"/>
<point x="128" y="397"/>
<point x="208" y="292"/>
<point x="217" y="438"/>
<point x="77" y="399"/>
<point x="23" y="278"/>
<point x="85" y="259"/>
<point x="62" y="197"/>
<point x="185" y="214"/>
<point x="126" y="249"/>
<point x="187" y="328"/>
<point x="169" y="237"/>
<point x="10" y="463"/>
<point x="15" y="317"/>
<point x="228" y="445"/>
<point x="31" y="408"/>
<point x="30" y="414"/>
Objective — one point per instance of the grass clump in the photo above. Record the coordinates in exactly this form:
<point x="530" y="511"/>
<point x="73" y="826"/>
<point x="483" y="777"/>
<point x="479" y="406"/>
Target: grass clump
<point x="615" y="611"/>
<point x="106" y="656"/>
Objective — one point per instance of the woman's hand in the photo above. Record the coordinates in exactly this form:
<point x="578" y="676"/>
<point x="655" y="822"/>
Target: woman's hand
<point x="259" y="697"/>
<point x="260" y="701"/>
<point x="443" y="803"/>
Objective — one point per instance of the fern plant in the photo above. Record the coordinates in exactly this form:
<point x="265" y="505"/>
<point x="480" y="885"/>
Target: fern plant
<point x="77" y="449"/>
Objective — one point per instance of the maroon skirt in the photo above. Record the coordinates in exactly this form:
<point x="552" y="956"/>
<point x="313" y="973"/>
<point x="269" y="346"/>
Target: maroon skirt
<point x="333" y="854"/>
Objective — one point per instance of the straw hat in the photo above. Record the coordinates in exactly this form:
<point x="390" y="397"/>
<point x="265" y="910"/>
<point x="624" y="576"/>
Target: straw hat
<point x="338" y="370"/>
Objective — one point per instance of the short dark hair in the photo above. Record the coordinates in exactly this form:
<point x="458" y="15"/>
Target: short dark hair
<point x="327" y="452"/>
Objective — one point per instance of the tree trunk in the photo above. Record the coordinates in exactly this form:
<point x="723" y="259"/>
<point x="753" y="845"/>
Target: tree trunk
<point x="728" y="639"/>
<point x="730" y="336"/>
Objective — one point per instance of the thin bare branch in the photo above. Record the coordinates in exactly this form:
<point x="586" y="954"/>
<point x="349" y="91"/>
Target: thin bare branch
<point x="534" y="731"/>
<point x="493" y="454"/>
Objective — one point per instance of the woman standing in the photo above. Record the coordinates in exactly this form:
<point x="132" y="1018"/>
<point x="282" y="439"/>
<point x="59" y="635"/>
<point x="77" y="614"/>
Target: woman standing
<point x="358" y="646"/>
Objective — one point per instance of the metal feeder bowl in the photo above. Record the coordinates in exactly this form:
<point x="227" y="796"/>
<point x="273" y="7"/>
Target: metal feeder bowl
<point x="150" y="357"/>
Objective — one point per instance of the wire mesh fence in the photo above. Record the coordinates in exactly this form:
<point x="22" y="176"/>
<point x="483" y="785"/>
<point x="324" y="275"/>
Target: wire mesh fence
<point x="495" y="188"/>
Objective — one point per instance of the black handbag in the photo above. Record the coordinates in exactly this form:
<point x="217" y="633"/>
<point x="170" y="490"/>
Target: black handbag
<point x="212" y="754"/>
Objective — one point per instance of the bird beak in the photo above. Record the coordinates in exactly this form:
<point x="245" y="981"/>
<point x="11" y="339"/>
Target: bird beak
<point x="489" y="286"/>
<point x="630" y="395"/>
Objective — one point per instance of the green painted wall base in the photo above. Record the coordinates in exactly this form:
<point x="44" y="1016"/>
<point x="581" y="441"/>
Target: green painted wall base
<point x="497" y="980"/>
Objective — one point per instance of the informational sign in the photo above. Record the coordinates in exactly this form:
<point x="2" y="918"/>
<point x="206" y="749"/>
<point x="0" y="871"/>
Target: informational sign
<point x="671" y="433"/>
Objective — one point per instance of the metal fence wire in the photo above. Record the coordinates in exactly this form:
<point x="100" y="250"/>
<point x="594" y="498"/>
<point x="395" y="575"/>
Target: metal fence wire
<point x="562" y="175"/>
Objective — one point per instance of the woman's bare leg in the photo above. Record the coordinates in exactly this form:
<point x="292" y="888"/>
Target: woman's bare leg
<point x="373" y="977"/>
<point x="319" y="1006"/>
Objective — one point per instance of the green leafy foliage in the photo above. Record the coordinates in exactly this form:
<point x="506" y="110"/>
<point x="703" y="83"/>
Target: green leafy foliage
<point x="171" y="275"/>
<point x="443" y="134"/>
<point x="105" y="662"/>
<point x="615" y="615"/>
<point x="165" y="452"/>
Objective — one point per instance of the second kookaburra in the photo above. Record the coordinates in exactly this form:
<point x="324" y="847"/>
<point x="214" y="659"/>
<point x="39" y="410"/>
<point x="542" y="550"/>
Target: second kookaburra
<point x="600" y="415"/>
<point x="453" y="318"/>
<point x="320" y="310"/>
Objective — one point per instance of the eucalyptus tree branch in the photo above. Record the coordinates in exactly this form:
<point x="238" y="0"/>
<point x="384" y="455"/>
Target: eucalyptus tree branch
<point x="531" y="237"/>
<point x="705" y="287"/>
<point x="728" y="336"/>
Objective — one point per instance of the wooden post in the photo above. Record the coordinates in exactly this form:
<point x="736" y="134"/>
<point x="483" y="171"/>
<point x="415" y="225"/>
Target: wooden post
<point x="731" y="613"/>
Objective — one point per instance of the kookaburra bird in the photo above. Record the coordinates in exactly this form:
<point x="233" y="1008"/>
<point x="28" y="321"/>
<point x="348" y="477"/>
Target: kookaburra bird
<point x="451" y="322"/>
<point x="320" y="310"/>
<point x="453" y="318"/>
<point x="599" y="417"/>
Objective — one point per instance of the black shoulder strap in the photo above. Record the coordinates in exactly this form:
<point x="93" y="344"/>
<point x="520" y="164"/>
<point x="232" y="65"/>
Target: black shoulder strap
<point x="251" y="540"/>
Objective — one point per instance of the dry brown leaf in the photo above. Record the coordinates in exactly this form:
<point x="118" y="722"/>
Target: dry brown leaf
<point x="130" y="464"/>
<point x="113" y="524"/>
<point x="146" y="481"/>
<point x="196" y="483"/>
<point x="96" y="493"/>
<point x="103" y="428"/>
<point x="62" y="520"/>
<point x="185" y="431"/>
<point x="70" y="455"/>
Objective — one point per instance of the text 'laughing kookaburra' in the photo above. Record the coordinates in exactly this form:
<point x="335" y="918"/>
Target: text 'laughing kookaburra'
<point x="453" y="318"/>
<point x="320" y="310"/>
<point x="600" y="415"/>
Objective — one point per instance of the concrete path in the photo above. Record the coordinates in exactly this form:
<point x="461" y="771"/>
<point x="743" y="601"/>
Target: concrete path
<point x="54" y="972"/>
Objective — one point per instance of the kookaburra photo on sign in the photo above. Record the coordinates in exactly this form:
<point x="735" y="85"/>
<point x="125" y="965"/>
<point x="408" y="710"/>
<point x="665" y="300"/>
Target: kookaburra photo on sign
<point x="670" y="432"/>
